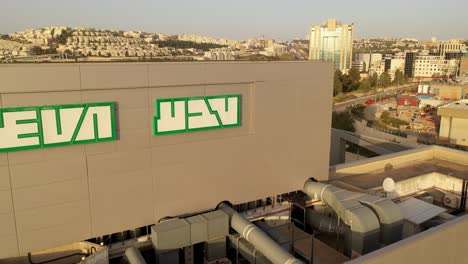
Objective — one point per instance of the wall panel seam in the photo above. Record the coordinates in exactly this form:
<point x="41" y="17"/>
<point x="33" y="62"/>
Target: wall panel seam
<point x="48" y="183"/>
<point x="13" y="206"/>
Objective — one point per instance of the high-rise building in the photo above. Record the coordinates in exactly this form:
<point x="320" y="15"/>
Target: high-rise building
<point x="332" y="41"/>
<point x="451" y="46"/>
<point x="409" y="64"/>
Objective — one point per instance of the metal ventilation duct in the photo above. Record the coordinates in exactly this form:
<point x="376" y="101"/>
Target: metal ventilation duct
<point x="134" y="256"/>
<point x="261" y="241"/>
<point x="363" y="213"/>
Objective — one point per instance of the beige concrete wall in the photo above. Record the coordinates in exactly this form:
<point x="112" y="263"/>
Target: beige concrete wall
<point x="452" y="92"/>
<point x="454" y="130"/>
<point x="443" y="244"/>
<point x="464" y="65"/>
<point x="380" y="163"/>
<point x="445" y="122"/>
<point x="458" y="131"/>
<point x="55" y="196"/>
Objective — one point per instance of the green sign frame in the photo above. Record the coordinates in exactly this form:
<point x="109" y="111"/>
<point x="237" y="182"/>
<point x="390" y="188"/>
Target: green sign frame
<point x="186" y="100"/>
<point x="73" y="141"/>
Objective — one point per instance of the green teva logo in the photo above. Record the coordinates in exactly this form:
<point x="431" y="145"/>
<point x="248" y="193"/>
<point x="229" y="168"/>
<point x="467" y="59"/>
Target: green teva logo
<point x="57" y="125"/>
<point x="188" y="114"/>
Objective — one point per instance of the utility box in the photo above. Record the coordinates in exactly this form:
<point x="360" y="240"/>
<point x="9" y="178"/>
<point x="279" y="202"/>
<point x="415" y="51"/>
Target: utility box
<point x="218" y="224"/>
<point x="171" y="234"/>
<point x="198" y="229"/>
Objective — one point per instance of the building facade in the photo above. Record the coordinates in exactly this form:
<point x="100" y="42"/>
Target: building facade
<point x="145" y="157"/>
<point x="464" y="66"/>
<point x="454" y="123"/>
<point x="378" y="67"/>
<point x="332" y="42"/>
<point x="451" y="46"/>
<point x="410" y="58"/>
<point x="370" y="59"/>
<point x="432" y="66"/>
<point x="359" y="65"/>
<point x="396" y="63"/>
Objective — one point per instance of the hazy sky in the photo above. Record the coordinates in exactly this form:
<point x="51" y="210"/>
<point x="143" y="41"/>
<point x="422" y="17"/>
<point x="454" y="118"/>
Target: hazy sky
<point x="241" y="19"/>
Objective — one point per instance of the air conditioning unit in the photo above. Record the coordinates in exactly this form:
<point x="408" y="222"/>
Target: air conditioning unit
<point x="451" y="200"/>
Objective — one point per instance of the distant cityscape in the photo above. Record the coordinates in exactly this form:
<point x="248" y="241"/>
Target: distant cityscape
<point x="331" y="41"/>
<point x="63" y="44"/>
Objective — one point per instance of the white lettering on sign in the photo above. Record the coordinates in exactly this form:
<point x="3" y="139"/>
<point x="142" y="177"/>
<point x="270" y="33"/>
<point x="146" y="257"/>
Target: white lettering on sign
<point x="46" y="126"/>
<point x="187" y="114"/>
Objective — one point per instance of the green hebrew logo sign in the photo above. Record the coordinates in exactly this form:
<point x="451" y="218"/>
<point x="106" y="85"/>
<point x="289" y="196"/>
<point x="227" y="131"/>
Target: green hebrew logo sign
<point x="35" y="127"/>
<point x="188" y="114"/>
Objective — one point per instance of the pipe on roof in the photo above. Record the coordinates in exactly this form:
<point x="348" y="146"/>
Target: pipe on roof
<point x="255" y="236"/>
<point x="324" y="223"/>
<point x="346" y="205"/>
<point x="364" y="213"/>
<point x="133" y="256"/>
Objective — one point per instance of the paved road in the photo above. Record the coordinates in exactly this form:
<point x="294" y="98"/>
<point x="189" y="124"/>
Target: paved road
<point x="340" y="107"/>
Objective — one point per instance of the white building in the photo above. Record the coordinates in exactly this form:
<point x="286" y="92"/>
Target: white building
<point x="429" y="66"/>
<point x="369" y="59"/>
<point x="378" y="67"/>
<point x="454" y="122"/>
<point x="396" y="63"/>
<point x="218" y="54"/>
<point x="333" y="42"/>
<point x="360" y="65"/>
<point x="453" y="45"/>
<point x="276" y="49"/>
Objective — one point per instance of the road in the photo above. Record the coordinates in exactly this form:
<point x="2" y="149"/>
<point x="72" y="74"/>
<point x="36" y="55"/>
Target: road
<point x="340" y="107"/>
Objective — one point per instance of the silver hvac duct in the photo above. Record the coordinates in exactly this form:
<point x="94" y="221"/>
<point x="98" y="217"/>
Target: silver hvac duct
<point x="364" y="214"/>
<point x="324" y="223"/>
<point x="134" y="256"/>
<point x="261" y="241"/>
<point x="389" y="215"/>
<point x="364" y="233"/>
<point x="350" y="210"/>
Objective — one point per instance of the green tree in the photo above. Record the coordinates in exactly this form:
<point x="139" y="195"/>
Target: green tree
<point x="385" y="80"/>
<point x="343" y="120"/>
<point x="347" y="83"/>
<point x="354" y="75"/>
<point x="399" y="78"/>
<point x="36" y="50"/>
<point x="182" y="44"/>
<point x="337" y="84"/>
<point x="62" y="39"/>
<point x="373" y="79"/>
<point x="364" y="85"/>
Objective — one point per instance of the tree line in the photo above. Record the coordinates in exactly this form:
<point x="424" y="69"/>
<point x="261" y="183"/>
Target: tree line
<point x="351" y="81"/>
<point x="182" y="44"/>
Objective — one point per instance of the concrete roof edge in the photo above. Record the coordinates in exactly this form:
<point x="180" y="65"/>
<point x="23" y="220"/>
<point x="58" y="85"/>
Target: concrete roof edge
<point x="402" y="243"/>
<point x="384" y="157"/>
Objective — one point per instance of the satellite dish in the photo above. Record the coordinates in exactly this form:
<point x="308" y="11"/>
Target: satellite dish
<point x="389" y="185"/>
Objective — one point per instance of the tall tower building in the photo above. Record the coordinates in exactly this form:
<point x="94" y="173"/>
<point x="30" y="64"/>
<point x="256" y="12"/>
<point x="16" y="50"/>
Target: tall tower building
<point x="332" y="41"/>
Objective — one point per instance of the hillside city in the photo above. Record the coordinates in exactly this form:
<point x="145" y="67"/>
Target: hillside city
<point x="62" y="44"/>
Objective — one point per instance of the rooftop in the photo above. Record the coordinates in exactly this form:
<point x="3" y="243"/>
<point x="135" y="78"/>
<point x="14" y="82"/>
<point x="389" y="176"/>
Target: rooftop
<point x="373" y="179"/>
<point x="462" y="104"/>
<point x="455" y="109"/>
